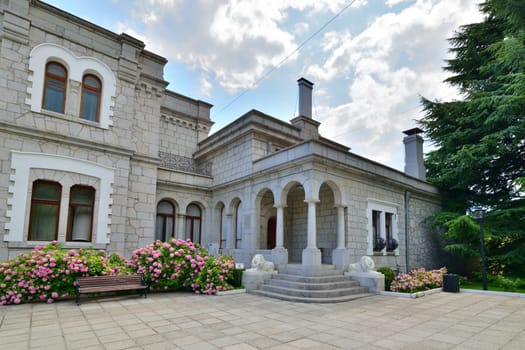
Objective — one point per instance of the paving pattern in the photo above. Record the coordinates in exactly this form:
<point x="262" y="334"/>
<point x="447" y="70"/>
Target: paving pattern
<point x="247" y="321"/>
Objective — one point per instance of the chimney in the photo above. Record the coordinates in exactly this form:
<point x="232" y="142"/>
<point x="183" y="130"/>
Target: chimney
<point x="304" y="121"/>
<point x="305" y="98"/>
<point x="414" y="165"/>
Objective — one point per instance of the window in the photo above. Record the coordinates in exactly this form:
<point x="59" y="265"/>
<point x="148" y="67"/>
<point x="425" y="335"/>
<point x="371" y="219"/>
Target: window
<point x="45" y="207"/>
<point x="238" y="226"/>
<point x="382" y="228"/>
<point x="379" y="243"/>
<point x="91" y="91"/>
<point x="80" y="223"/>
<point x="193" y="223"/>
<point x="55" y="87"/>
<point x="391" y="242"/>
<point x="222" y="241"/>
<point x="164" y="228"/>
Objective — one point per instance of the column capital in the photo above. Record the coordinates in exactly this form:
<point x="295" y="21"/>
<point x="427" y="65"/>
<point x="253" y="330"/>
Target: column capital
<point x="312" y="200"/>
<point x="280" y="205"/>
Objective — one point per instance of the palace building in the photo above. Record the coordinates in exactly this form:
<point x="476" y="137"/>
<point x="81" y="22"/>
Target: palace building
<point x="95" y="151"/>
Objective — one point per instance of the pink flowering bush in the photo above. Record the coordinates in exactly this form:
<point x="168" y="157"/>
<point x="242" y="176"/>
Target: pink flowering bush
<point x="181" y="264"/>
<point x="48" y="273"/>
<point x="215" y="275"/>
<point x="418" y="280"/>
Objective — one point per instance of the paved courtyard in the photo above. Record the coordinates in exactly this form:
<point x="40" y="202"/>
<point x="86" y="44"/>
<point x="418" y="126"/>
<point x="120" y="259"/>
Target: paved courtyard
<point x="245" y="321"/>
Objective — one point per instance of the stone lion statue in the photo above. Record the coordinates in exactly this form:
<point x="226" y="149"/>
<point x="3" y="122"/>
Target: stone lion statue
<point x="366" y="264"/>
<point x="260" y="264"/>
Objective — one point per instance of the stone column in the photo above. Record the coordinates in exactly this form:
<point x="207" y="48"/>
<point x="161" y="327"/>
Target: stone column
<point x="340" y="227"/>
<point x="180" y="229"/>
<point x="340" y="255"/>
<point x="311" y="255"/>
<point x="230" y="240"/>
<point x="279" y="253"/>
<point x="311" y="228"/>
<point x="382" y="232"/>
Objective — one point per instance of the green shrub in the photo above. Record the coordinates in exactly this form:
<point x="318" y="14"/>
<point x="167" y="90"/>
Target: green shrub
<point x="507" y="284"/>
<point x="182" y="264"/>
<point x="390" y="275"/>
<point x="48" y="273"/>
<point x="418" y="280"/>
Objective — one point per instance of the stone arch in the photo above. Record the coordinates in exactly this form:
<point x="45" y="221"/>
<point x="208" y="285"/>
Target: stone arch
<point x="165" y="219"/>
<point x="286" y="189"/>
<point x="265" y="209"/>
<point x="235" y="210"/>
<point x="220" y="225"/>
<point x="295" y="216"/>
<point x="326" y="221"/>
<point x="194" y="213"/>
<point x="76" y="66"/>
<point x="338" y="197"/>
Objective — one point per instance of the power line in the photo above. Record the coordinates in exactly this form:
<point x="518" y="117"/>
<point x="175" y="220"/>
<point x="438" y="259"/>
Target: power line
<point x="287" y="57"/>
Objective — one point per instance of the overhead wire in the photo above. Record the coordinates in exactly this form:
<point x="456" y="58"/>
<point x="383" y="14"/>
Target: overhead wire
<point x="287" y="57"/>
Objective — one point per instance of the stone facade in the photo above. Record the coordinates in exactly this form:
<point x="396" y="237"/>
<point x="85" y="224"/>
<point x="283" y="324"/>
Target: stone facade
<point x="257" y="186"/>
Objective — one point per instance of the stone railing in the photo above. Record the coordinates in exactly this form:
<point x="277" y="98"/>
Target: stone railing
<point x="190" y="165"/>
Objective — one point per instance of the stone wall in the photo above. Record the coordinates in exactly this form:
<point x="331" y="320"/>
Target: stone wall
<point x="326" y="224"/>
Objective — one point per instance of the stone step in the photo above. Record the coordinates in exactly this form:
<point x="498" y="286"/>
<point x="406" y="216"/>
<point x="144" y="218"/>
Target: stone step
<point x="309" y="293"/>
<point x="312" y="286"/>
<point x="295" y="299"/>
<point x="309" y="279"/>
<point x="326" y="270"/>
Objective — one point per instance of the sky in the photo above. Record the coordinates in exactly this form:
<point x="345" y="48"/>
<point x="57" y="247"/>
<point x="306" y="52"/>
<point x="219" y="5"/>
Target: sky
<point x="370" y="60"/>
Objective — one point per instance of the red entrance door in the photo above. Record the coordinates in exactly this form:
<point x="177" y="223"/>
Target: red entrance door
<point x="272" y="225"/>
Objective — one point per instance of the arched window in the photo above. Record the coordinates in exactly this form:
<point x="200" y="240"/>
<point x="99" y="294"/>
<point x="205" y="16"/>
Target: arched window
<point x="193" y="223"/>
<point x="222" y="239"/>
<point x="45" y="208"/>
<point x="238" y="226"/>
<point x="55" y="87"/>
<point x="165" y="221"/>
<point x="91" y="91"/>
<point x="81" y="208"/>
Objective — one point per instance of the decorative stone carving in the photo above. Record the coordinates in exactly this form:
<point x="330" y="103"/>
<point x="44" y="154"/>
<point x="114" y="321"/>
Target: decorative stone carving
<point x="364" y="272"/>
<point x="173" y="161"/>
<point x="366" y="264"/>
<point x="261" y="265"/>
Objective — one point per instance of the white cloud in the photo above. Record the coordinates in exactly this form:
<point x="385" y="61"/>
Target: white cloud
<point x="397" y="58"/>
<point x="234" y="41"/>
<point x="205" y="86"/>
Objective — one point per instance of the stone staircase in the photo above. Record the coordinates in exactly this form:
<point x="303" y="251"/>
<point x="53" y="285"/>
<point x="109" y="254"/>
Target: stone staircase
<point x="326" y="286"/>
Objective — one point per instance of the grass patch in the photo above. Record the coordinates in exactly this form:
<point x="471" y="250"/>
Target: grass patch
<point x="478" y="285"/>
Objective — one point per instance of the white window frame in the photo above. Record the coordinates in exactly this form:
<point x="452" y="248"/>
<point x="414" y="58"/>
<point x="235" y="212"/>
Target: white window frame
<point x="77" y="67"/>
<point x="21" y="165"/>
<point x="382" y="207"/>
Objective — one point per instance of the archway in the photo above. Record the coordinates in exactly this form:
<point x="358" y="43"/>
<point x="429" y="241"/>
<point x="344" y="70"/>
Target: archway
<point x="295" y="221"/>
<point x="326" y="223"/>
<point x="271" y="230"/>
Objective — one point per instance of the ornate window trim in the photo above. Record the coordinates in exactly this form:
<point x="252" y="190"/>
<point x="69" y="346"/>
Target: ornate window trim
<point x="23" y="162"/>
<point x="77" y="67"/>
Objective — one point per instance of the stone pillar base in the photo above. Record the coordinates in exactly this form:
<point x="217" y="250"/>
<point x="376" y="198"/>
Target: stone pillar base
<point x="280" y="257"/>
<point x="375" y="281"/>
<point x="341" y="258"/>
<point x="253" y="280"/>
<point x="311" y="261"/>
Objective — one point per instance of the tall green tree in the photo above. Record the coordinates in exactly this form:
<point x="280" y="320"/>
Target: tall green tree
<point x="480" y="140"/>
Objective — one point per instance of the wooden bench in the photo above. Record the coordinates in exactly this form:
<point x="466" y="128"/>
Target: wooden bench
<point x="99" y="284"/>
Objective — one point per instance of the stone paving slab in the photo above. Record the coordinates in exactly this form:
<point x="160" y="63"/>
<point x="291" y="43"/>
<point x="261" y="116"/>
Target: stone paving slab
<point x="247" y="321"/>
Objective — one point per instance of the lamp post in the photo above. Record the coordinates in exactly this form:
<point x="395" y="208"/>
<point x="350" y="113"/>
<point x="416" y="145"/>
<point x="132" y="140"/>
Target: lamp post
<point x="480" y="217"/>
